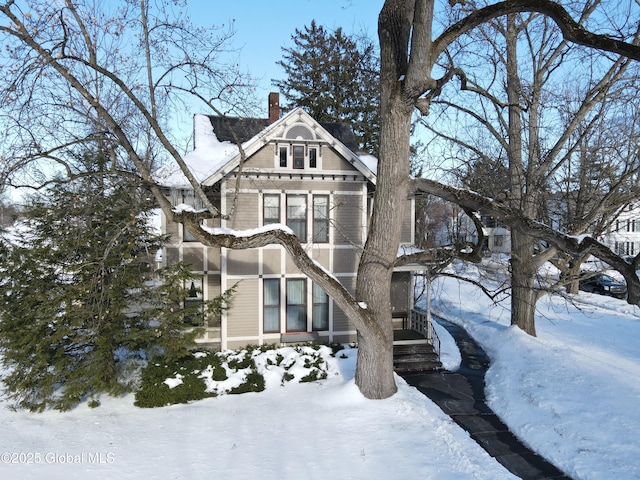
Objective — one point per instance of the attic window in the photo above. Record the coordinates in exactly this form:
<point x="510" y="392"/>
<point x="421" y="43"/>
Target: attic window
<point x="298" y="156"/>
<point x="283" y="157"/>
<point x="313" y="157"/>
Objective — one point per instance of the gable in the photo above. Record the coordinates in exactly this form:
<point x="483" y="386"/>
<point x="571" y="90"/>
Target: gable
<point x="295" y="144"/>
<point x="330" y="146"/>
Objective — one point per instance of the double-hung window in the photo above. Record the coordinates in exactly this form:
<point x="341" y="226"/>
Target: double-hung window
<point x="320" y="320"/>
<point x="296" y="305"/>
<point x="271" y="302"/>
<point x="298" y="156"/>
<point x="282" y="152"/>
<point x="313" y="157"/>
<point x="297" y="215"/>
<point x="321" y="218"/>
<point x="271" y="209"/>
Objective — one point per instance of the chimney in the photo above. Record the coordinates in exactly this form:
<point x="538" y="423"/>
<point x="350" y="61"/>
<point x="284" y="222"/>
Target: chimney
<point x="274" y="107"/>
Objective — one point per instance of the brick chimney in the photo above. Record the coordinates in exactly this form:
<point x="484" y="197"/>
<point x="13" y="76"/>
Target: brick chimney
<point x="274" y="107"/>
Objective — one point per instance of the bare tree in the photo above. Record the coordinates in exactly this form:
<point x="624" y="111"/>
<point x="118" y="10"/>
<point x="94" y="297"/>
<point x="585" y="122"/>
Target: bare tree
<point x="78" y="46"/>
<point x="513" y="108"/>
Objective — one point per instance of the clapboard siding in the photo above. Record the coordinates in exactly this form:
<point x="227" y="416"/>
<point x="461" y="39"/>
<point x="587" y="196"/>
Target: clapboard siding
<point x="347" y="211"/>
<point x="242" y="317"/>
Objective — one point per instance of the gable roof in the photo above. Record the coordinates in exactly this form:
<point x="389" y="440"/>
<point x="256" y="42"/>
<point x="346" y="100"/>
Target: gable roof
<point x="247" y="128"/>
<point x="216" y="153"/>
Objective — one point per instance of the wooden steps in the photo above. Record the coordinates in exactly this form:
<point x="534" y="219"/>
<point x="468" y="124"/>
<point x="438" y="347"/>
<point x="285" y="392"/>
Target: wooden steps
<point x="414" y="356"/>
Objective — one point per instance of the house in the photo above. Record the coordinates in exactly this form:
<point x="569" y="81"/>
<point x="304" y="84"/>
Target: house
<point x="623" y="235"/>
<point x="306" y="174"/>
<point x="497" y="236"/>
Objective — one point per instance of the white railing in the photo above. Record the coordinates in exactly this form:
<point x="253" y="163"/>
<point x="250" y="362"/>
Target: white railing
<point x="420" y="321"/>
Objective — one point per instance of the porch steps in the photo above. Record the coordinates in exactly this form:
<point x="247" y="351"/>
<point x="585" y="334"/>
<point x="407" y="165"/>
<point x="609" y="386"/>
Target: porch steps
<point x="414" y="356"/>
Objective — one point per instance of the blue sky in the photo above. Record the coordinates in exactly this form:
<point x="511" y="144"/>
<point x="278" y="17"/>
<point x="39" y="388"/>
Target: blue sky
<point x="264" y="27"/>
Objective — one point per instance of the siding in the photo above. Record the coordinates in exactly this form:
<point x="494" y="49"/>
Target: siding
<point x="213" y="259"/>
<point x="246" y="215"/>
<point x="347" y="213"/>
<point x="242" y="262"/>
<point x="172" y="229"/>
<point x="272" y="260"/>
<point x="290" y="267"/>
<point x="345" y="260"/>
<point x="194" y="256"/>
<point x="171" y="255"/>
<point x="407" y="223"/>
<point x="263" y="158"/>
<point x="340" y="321"/>
<point x="315" y="182"/>
<point x="332" y="161"/>
<point x="322" y="256"/>
<point x="213" y="291"/>
<point x="242" y="316"/>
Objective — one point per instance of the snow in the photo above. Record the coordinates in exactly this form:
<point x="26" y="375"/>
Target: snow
<point x="370" y="162"/>
<point x="571" y="393"/>
<point x="316" y="430"/>
<point x="250" y="232"/>
<point x="208" y="156"/>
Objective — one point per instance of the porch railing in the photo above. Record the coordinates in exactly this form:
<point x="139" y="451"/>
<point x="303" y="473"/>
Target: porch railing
<point x="420" y="321"/>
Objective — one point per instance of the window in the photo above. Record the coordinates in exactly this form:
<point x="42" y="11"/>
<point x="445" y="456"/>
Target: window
<point x="298" y="156"/>
<point x="271" y="209"/>
<point x="320" y="218"/>
<point x="296" y="305"/>
<point x="320" y="318"/>
<point x="271" y="292"/>
<point x="498" y="240"/>
<point x="187" y="235"/>
<point x="283" y="156"/>
<point x="297" y="215"/>
<point x="313" y="157"/>
<point x="193" y="302"/>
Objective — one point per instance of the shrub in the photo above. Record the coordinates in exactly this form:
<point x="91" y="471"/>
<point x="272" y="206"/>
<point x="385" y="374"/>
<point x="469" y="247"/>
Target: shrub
<point x="254" y="382"/>
<point x="154" y="391"/>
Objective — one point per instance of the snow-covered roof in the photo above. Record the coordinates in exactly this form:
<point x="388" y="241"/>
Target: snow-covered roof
<point x="208" y="156"/>
<point x="212" y="159"/>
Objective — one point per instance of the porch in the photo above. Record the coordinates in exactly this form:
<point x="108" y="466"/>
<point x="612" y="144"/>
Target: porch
<point x="416" y="346"/>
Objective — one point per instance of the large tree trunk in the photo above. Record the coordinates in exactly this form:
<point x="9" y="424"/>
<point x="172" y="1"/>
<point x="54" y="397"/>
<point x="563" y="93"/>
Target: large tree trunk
<point x="523" y="267"/>
<point x="523" y="293"/>
<point x="374" y="373"/>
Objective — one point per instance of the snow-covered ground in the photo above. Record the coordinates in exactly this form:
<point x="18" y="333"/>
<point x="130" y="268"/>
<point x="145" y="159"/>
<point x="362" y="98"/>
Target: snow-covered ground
<point x="572" y="393"/>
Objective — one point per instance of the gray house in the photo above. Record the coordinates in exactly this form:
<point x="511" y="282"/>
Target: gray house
<point x="305" y="174"/>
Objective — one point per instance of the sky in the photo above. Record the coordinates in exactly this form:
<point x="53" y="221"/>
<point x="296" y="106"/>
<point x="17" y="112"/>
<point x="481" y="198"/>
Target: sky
<point x="571" y="393"/>
<point x="264" y="27"/>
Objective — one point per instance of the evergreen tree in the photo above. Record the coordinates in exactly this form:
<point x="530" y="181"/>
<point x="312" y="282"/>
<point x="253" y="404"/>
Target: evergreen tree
<point x="335" y="78"/>
<point x="80" y="303"/>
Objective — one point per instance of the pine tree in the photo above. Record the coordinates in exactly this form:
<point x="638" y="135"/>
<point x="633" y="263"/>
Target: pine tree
<point x="80" y="303"/>
<point x="335" y="78"/>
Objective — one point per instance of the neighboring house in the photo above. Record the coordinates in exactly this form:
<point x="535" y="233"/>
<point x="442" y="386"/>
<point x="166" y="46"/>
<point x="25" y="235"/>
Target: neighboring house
<point x="497" y="237"/>
<point x="623" y="236"/>
<point x="306" y="174"/>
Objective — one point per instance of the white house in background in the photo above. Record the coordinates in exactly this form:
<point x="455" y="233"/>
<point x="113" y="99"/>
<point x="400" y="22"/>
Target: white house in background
<point x="497" y="237"/>
<point x="299" y="172"/>
<point x="623" y="236"/>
